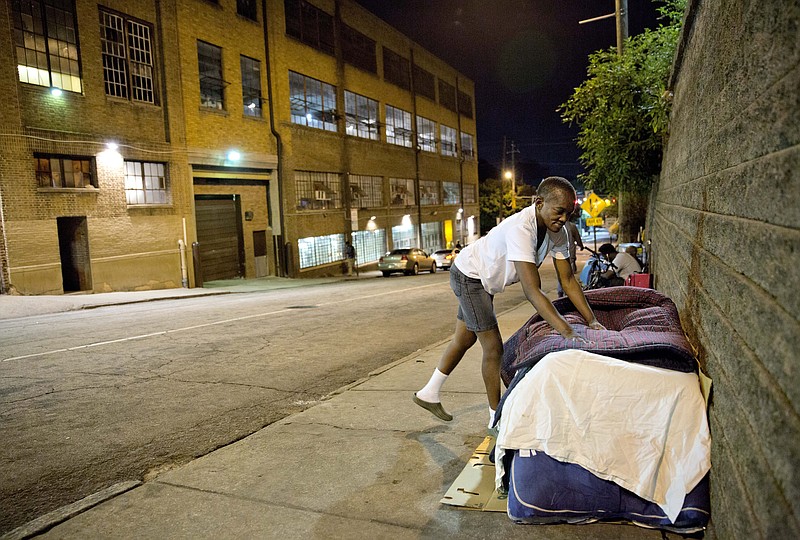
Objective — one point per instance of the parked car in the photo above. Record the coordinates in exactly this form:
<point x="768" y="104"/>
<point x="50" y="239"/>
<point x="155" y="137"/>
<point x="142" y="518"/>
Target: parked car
<point x="444" y="257"/>
<point x="410" y="261"/>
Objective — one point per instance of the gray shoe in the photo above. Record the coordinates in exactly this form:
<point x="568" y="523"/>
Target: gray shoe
<point x="435" y="408"/>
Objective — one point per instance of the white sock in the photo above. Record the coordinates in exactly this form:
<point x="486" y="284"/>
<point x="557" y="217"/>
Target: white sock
<point x="491" y="417"/>
<point x="430" y="392"/>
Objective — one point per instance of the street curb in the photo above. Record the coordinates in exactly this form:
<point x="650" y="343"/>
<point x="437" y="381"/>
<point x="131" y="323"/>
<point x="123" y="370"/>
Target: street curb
<point x="399" y="361"/>
<point x="59" y="515"/>
<point x="143" y="300"/>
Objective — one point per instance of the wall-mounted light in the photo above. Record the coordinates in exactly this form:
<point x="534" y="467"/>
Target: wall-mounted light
<point x="55" y="92"/>
<point x="233" y="155"/>
<point x="406" y="222"/>
<point x="111" y="145"/>
<point x="371" y="225"/>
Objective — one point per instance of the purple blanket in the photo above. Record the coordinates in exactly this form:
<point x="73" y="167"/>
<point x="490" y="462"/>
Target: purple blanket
<point x="642" y="326"/>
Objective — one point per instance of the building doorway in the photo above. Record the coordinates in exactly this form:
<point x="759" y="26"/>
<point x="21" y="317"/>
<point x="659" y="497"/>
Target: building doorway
<point x="219" y="233"/>
<point x="73" y="247"/>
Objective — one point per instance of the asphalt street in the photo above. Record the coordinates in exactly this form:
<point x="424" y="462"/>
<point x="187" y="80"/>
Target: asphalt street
<point x="90" y="398"/>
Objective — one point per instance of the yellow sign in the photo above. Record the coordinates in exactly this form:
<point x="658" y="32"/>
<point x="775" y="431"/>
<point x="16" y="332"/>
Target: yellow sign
<point x="593" y="205"/>
<point x="594" y="222"/>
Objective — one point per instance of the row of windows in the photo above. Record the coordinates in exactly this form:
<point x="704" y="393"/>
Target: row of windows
<point x="370" y="245"/>
<point x="315" y="27"/>
<point x="145" y="182"/>
<point x="245" y="8"/>
<point x="212" y="85"/>
<point x="45" y="34"/>
<point x="46" y="43"/>
<point x="319" y="250"/>
<point x="313" y="104"/>
<point x="323" y="191"/>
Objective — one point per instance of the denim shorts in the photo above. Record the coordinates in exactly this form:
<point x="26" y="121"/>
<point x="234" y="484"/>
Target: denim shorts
<point x="475" y="305"/>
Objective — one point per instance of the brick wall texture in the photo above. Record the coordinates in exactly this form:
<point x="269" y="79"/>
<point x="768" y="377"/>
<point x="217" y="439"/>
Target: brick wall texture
<point x="724" y="223"/>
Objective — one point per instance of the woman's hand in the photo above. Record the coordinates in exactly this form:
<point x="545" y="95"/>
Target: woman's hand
<point x="572" y="337"/>
<point x="595" y="325"/>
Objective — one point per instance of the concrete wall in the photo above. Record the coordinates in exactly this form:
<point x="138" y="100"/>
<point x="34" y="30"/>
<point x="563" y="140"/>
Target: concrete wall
<point x="725" y="226"/>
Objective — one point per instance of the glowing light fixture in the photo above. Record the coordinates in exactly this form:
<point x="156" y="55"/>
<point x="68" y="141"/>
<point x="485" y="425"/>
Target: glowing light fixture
<point x="233" y="155"/>
<point x="55" y="92"/>
<point x="111" y="145"/>
<point x="407" y="221"/>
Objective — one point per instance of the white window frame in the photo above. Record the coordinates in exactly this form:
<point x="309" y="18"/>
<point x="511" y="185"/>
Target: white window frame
<point x="146" y="183"/>
<point x="251" y="86"/>
<point x="312" y="102"/>
<point x="426" y="134"/>
<point x="361" y="116"/>
<point x="428" y="192"/>
<point x="402" y="192"/>
<point x="366" y="191"/>
<point x="398" y="127"/>
<point x="127" y="49"/>
<point x="318" y="190"/>
<point x="448" y="143"/>
<point x="452" y="193"/>
<point x="467" y="146"/>
<point x="319" y="250"/>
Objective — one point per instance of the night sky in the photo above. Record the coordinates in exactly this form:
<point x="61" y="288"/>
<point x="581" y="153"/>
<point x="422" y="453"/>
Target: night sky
<point x="525" y="57"/>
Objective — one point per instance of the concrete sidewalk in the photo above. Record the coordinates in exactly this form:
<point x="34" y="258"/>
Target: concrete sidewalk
<point x="365" y="463"/>
<point x="17" y="306"/>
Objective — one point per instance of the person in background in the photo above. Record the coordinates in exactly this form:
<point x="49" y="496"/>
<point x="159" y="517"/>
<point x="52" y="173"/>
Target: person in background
<point x="634" y="252"/>
<point x="349" y="257"/>
<point x="574" y="239"/>
<point x="512" y="252"/>
<point x="622" y="265"/>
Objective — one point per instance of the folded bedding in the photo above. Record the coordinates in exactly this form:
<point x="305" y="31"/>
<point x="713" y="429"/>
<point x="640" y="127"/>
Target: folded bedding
<point x="642" y="326"/>
<point x="643" y="428"/>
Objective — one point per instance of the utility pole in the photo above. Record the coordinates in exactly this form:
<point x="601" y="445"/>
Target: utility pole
<point x="514" y="151"/>
<point x="503" y="166"/>
<point x="621" y="13"/>
<point x="621" y="16"/>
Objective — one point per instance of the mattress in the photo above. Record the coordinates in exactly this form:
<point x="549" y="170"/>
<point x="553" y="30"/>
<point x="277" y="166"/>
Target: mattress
<point x="542" y="490"/>
<point x="642" y="326"/>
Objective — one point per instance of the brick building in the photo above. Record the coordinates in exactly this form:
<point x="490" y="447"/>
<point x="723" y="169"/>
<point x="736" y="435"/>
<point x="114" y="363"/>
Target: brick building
<point x="135" y="131"/>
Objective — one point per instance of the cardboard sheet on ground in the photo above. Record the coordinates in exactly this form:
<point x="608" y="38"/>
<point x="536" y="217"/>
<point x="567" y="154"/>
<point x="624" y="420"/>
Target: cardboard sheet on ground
<point x="474" y="488"/>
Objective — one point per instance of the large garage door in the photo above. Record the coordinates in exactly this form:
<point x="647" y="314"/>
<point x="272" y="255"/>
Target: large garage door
<point x="219" y="233"/>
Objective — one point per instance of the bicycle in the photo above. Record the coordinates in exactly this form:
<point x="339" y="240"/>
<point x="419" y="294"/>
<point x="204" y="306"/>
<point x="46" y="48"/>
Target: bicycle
<point x="592" y="273"/>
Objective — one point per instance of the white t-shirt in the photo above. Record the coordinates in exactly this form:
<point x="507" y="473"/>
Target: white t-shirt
<point x="626" y="265"/>
<point x="491" y="258"/>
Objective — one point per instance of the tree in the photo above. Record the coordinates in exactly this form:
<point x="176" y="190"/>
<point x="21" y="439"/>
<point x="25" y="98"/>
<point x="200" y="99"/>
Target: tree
<point x="622" y="109"/>
<point x="495" y="202"/>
